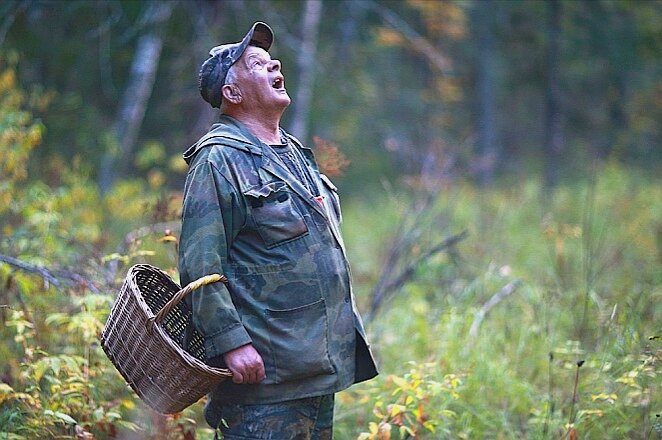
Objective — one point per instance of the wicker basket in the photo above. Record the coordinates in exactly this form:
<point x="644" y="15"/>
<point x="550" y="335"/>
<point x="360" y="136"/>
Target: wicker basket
<point x="147" y="347"/>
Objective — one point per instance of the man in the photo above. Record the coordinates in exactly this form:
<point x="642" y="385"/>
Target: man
<point x="257" y="209"/>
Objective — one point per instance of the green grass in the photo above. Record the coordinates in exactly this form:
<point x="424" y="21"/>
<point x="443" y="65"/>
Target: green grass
<point x="588" y="257"/>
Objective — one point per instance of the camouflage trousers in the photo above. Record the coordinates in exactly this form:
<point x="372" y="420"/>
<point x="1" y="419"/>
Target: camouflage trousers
<point x="301" y="419"/>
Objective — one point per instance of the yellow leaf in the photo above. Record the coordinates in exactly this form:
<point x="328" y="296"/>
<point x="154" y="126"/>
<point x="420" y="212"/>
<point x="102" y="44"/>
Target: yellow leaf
<point x="400" y="382"/>
<point x="602" y="396"/>
<point x="6" y="392"/>
<point x="591" y="412"/>
<point x="178" y="165"/>
<point x="396" y="409"/>
<point x="389" y="37"/>
<point x="155" y="178"/>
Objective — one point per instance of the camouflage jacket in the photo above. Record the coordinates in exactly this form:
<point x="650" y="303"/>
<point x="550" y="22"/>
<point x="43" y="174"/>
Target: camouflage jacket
<point x="289" y="293"/>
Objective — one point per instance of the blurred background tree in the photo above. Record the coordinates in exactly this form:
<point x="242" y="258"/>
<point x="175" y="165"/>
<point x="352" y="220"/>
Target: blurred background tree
<point x="499" y="88"/>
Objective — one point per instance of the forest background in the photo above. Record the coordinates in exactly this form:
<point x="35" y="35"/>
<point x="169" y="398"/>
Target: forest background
<point x="499" y="166"/>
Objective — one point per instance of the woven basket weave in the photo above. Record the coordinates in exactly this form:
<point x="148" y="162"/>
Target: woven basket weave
<point x="143" y="337"/>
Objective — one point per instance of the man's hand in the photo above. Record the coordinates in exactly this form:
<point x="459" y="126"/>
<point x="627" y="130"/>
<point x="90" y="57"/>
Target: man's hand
<point x="246" y="364"/>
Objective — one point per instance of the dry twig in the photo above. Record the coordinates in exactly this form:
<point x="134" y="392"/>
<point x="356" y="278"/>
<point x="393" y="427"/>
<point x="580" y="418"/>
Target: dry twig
<point x="389" y="283"/>
<point x="496" y="299"/>
<point x="49" y="276"/>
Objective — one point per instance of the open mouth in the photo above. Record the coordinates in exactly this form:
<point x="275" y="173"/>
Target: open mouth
<point x="278" y="83"/>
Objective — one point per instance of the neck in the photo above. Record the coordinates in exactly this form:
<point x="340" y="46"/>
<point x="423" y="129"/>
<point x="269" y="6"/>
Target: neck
<point x="265" y="129"/>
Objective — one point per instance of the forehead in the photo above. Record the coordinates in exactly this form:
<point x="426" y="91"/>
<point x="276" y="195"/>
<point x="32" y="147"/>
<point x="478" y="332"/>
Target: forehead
<point x="253" y="52"/>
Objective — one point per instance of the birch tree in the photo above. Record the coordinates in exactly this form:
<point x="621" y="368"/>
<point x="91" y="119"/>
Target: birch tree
<point x="306" y="65"/>
<point x="133" y="103"/>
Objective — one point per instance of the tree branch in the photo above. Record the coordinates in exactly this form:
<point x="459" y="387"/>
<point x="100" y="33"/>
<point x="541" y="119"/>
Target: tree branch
<point x="419" y="42"/>
<point x="50" y="276"/>
<point x="27" y="267"/>
<point x="496" y="299"/>
<point x="10" y="11"/>
<point x="134" y="235"/>
<point x="150" y="229"/>
<point x="389" y="284"/>
<point x="408" y="271"/>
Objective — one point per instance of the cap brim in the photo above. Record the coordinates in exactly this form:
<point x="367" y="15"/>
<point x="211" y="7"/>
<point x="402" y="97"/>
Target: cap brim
<point x="260" y="35"/>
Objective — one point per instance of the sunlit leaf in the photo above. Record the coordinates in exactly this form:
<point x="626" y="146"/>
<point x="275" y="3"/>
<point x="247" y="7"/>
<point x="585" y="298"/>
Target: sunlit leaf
<point x="40" y="369"/>
<point x="61" y="416"/>
<point x="128" y="425"/>
<point x="395" y="409"/>
<point x="12" y="436"/>
<point x="6" y="392"/>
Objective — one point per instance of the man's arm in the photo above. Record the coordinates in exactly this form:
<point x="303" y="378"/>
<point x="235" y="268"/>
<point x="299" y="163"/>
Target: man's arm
<point x="211" y="217"/>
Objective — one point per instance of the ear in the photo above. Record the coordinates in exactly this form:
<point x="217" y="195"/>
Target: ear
<point x="231" y="93"/>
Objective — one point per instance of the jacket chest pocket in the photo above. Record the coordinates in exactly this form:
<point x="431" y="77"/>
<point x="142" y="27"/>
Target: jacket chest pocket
<point x="276" y="215"/>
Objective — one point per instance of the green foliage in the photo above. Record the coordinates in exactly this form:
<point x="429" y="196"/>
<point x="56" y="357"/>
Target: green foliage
<point x="61" y="394"/>
<point x="56" y="380"/>
<point x="414" y="404"/>
<point x="588" y="257"/>
<point x="19" y="133"/>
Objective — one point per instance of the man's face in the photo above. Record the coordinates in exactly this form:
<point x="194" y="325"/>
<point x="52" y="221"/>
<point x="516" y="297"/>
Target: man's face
<point x="260" y="80"/>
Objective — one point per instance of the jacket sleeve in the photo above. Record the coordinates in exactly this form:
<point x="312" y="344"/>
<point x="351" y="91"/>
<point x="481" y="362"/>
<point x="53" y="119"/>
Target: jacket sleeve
<point x="212" y="215"/>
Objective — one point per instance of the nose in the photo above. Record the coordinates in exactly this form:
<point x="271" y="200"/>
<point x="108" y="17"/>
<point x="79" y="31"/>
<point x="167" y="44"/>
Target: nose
<point x="274" y="65"/>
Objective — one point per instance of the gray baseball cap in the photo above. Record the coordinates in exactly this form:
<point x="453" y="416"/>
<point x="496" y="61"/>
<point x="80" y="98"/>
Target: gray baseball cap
<point x="215" y="68"/>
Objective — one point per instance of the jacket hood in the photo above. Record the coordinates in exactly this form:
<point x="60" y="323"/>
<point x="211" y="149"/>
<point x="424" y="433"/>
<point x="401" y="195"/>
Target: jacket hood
<point x="227" y="132"/>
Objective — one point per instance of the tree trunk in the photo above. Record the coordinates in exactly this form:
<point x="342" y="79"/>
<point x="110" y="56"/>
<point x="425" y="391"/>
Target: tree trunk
<point x="133" y="104"/>
<point x="553" y="117"/>
<point x="486" y="85"/>
<point x="619" y="49"/>
<point x="306" y="66"/>
<point x="208" y="16"/>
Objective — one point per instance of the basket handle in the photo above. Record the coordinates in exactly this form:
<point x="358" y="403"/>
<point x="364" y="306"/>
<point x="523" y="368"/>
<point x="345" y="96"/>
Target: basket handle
<point x="177" y="297"/>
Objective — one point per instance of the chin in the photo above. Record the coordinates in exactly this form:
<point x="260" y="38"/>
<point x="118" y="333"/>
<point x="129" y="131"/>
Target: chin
<point x="285" y="100"/>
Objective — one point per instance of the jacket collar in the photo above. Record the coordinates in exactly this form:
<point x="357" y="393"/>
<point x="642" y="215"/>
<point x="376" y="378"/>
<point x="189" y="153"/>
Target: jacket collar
<point x="229" y="132"/>
<point x="233" y="134"/>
